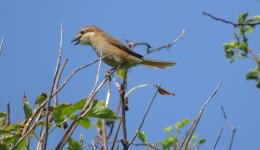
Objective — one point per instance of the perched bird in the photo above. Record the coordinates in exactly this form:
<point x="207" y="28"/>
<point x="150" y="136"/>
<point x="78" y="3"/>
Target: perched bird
<point x="118" y="55"/>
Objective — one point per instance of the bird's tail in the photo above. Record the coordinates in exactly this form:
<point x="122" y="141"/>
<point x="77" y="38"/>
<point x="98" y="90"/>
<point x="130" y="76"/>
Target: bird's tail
<point x="157" y="63"/>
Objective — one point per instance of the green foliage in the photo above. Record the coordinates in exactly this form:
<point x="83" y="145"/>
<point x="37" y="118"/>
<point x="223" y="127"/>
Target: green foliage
<point x="174" y="140"/>
<point x="64" y="112"/>
<point x="40" y="99"/>
<point x="2" y="118"/>
<point x="254" y="74"/>
<point x="100" y="111"/>
<point x="74" y="145"/>
<point x="142" y="137"/>
<point x="27" y="108"/>
<point x="182" y="123"/>
<point x="169" y="129"/>
<point x="61" y="112"/>
<point x="22" y="145"/>
<point x="240" y="49"/>
<point x="168" y="142"/>
<point x="85" y="122"/>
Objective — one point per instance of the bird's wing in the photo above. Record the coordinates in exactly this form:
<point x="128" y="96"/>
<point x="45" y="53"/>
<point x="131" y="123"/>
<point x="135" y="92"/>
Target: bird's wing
<point x="121" y="46"/>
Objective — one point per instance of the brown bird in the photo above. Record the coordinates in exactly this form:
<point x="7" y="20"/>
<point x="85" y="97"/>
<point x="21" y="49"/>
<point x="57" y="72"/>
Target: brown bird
<point x="118" y="55"/>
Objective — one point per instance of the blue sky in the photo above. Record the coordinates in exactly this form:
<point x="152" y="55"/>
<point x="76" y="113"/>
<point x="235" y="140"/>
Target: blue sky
<point x="31" y="31"/>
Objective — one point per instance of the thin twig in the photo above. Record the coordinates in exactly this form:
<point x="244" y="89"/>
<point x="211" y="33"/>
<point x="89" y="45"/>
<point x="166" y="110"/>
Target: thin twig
<point x="117" y="131"/>
<point x="98" y="72"/>
<point x="234" y="129"/>
<point x="230" y="22"/>
<point x="1" y="45"/>
<point x="215" y="145"/>
<point x="142" y="122"/>
<point x="28" y="124"/>
<point x="193" y="127"/>
<point x="136" y="87"/>
<point x="118" y="127"/>
<point x="85" y="110"/>
<point x="44" y="136"/>
<point x="124" y="106"/>
<point x="74" y="72"/>
<point x="58" y="81"/>
<point x="150" y="48"/>
<point x="93" y="145"/>
<point x="103" y="128"/>
<point x="108" y="93"/>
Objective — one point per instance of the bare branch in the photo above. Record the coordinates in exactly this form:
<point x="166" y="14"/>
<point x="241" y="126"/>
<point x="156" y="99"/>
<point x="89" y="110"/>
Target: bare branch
<point x="215" y="145"/>
<point x="136" y="87"/>
<point x="94" y="145"/>
<point x="150" y="48"/>
<point x="98" y="72"/>
<point x="108" y="93"/>
<point x="44" y="135"/>
<point x="124" y="109"/>
<point x="118" y="128"/>
<point x="234" y="129"/>
<point x="229" y="22"/>
<point x="146" y="113"/>
<point x="74" y="72"/>
<point x="193" y="127"/>
<point x="58" y="81"/>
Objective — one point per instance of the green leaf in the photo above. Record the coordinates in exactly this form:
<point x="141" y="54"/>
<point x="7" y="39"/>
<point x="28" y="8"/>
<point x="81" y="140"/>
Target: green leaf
<point x="242" y="17"/>
<point x="27" y="108"/>
<point x="15" y="127"/>
<point x="229" y="50"/>
<point x="74" y="145"/>
<point x="98" y="124"/>
<point x="9" y="138"/>
<point x="242" y="46"/>
<point x="60" y="112"/>
<point x="248" y="29"/>
<point x="253" y="74"/>
<point x="202" y="141"/>
<point x="2" y="118"/>
<point x="194" y="137"/>
<point x="22" y="145"/>
<point x="100" y="111"/>
<point x="85" y="122"/>
<point x="169" y="129"/>
<point x="168" y="142"/>
<point x="40" y="99"/>
<point x="79" y="105"/>
<point x="182" y="123"/>
<point x="142" y="137"/>
<point x="4" y="146"/>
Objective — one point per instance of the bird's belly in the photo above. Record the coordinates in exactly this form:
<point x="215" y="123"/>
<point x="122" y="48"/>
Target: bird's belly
<point x="116" y="61"/>
<point x="118" y="58"/>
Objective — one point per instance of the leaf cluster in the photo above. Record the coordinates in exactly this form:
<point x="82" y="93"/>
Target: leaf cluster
<point x="239" y="48"/>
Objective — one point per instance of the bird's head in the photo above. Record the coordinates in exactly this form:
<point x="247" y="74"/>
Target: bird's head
<point x="85" y="35"/>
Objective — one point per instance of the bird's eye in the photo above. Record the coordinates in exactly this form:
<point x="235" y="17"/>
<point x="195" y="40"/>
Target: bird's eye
<point x="82" y="32"/>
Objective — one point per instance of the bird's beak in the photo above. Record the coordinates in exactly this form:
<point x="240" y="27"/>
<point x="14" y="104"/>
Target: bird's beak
<point x="76" y="40"/>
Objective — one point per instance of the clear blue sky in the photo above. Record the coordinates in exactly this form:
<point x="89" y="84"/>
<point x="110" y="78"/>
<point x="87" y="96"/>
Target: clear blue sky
<point x="31" y="33"/>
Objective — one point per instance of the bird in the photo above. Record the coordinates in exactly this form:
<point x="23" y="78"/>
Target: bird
<point x="113" y="52"/>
